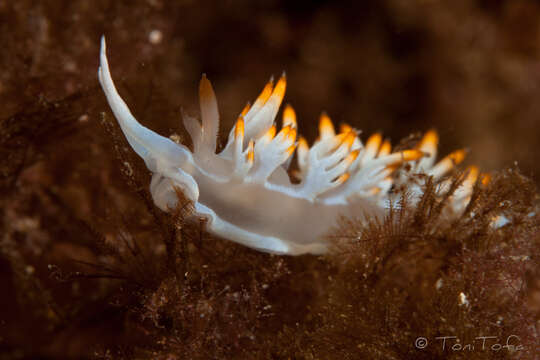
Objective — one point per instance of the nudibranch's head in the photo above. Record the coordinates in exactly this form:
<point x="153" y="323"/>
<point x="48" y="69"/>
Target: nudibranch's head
<point x="245" y="191"/>
<point x="160" y="154"/>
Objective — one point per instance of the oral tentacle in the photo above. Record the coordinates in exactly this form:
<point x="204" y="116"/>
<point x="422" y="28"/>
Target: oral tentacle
<point x="151" y="147"/>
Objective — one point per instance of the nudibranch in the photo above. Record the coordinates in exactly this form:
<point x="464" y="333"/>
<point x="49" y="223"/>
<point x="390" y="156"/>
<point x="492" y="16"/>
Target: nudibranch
<point x="245" y="192"/>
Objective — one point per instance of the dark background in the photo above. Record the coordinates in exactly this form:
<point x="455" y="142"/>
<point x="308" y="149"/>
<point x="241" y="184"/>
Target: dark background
<point x="72" y="191"/>
<point x="467" y="68"/>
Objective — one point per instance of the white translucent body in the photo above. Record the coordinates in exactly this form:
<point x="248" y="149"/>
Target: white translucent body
<point x="245" y="192"/>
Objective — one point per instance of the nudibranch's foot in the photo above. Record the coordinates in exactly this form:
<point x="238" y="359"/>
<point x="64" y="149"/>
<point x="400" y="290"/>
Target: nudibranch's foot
<point x="216" y="225"/>
<point x="245" y="191"/>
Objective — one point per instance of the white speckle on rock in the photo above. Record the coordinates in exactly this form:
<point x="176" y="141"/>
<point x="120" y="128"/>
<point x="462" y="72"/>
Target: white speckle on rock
<point x="29" y="269"/>
<point x="463" y="301"/>
<point x="155" y="37"/>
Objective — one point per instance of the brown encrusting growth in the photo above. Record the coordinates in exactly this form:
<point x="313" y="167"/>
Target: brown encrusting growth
<point x="117" y="278"/>
<point x="90" y="268"/>
<point x="418" y="273"/>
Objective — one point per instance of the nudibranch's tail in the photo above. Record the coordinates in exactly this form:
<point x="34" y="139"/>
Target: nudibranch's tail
<point x="160" y="154"/>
